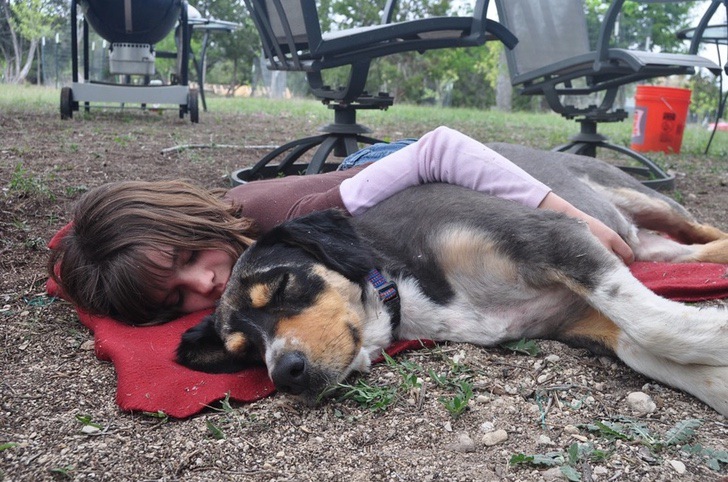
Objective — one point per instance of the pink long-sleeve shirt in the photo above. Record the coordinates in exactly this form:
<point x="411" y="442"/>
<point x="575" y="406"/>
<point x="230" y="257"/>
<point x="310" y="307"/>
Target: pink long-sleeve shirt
<point x="442" y="155"/>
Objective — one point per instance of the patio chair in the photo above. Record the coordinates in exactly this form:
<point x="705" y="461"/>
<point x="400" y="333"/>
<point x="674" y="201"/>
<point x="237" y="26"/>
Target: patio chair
<point x="292" y="39"/>
<point x="554" y="59"/>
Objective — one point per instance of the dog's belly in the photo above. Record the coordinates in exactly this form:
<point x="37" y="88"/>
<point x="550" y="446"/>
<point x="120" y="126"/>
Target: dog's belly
<point x="493" y="302"/>
<point x="501" y="313"/>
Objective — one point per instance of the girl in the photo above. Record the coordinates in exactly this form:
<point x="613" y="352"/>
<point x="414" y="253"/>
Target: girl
<point x="148" y="252"/>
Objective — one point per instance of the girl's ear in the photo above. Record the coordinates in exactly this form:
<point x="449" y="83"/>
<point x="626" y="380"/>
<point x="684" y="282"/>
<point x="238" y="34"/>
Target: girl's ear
<point x="327" y="236"/>
<point x="202" y="349"/>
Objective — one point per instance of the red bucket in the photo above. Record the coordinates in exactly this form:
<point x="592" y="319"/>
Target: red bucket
<point x="659" y="118"/>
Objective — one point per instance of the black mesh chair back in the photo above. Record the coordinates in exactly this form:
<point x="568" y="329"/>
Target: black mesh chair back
<point x="292" y="39"/>
<point x="554" y="59"/>
<point x="533" y="21"/>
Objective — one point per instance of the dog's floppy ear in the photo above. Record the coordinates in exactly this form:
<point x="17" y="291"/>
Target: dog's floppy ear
<point x="329" y="237"/>
<point x="202" y="349"/>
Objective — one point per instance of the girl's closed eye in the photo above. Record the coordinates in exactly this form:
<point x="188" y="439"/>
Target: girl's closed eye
<point x="183" y="257"/>
<point x="193" y="256"/>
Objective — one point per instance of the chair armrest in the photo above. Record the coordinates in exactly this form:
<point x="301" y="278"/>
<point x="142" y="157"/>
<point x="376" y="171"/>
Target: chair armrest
<point x="500" y="32"/>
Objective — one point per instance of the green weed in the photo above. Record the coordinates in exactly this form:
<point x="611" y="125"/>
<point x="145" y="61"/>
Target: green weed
<point x="160" y="415"/>
<point x="65" y="473"/>
<point x="712" y="458"/>
<point x="72" y="191"/>
<point x="24" y="184"/>
<point x="215" y="431"/>
<point x="372" y="397"/>
<point x="228" y="417"/>
<point x="628" y="430"/>
<point x="458" y="403"/>
<point x="123" y="140"/>
<point x="635" y="431"/>
<point x="526" y="347"/>
<point x="89" y="427"/>
<point x="411" y="384"/>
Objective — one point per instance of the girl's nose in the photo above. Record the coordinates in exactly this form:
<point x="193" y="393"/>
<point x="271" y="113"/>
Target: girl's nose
<point x="199" y="281"/>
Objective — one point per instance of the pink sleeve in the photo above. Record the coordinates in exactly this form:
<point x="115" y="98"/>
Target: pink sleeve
<point x="442" y="155"/>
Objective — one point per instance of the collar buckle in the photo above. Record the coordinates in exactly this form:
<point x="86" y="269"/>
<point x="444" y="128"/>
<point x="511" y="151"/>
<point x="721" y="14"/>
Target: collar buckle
<point x="388" y="293"/>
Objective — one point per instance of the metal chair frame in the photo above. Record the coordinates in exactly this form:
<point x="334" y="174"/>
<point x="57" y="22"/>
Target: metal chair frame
<point x="292" y="40"/>
<point x="604" y="70"/>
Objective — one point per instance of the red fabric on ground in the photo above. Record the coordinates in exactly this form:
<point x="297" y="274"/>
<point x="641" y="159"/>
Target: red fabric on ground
<point x="149" y="380"/>
<point x="684" y="281"/>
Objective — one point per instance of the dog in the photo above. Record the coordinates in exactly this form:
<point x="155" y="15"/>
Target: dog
<point x="319" y="297"/>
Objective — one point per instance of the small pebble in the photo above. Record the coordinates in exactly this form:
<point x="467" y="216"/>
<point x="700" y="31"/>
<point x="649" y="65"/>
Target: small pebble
<point x="495" y="437"/>
<point x="678" y="466"/>
<point x="464" y="444"/>
<point x="641" y="403"/>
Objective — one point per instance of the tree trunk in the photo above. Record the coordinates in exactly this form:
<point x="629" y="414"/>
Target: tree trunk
<point x="503" y="88"/>
<point x="28" y="62"/>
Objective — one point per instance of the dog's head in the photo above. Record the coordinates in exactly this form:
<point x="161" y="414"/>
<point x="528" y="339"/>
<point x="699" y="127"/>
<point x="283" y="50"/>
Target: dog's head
<point x="293" y="302"/>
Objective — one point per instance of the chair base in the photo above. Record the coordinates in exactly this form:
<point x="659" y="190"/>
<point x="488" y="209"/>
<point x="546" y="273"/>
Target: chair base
<point x="587" y="141"/>
<point x="327" y="143"/>
<point x="342" y="138"/>
<point x="653" y="176"/>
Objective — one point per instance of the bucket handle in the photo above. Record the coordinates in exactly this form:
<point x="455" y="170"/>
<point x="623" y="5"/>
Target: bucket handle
<point x="664" y="101"/>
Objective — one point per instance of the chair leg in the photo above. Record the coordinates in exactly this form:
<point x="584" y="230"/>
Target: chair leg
<point x="342" y="138"/>
<point x="341" y="145"/>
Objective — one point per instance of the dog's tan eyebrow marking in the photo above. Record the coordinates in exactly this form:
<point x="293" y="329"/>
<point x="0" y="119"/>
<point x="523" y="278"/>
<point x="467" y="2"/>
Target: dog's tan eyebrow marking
<point x="260" y="295"/>
<point x="235" y="342"/>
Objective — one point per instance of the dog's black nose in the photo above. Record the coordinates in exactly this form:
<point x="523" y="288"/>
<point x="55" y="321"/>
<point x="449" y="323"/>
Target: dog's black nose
<point x="290" y="374"/>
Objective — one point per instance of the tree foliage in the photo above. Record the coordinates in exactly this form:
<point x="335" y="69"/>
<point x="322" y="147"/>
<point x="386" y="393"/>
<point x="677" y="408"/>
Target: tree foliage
<point x="457" y="77"/>
<point x="705" y="96"/>
<point x="463" y="77"/>
<point x="24" y="23"/>
<point x="230" y="56"/>
<point x="642" y="26"/>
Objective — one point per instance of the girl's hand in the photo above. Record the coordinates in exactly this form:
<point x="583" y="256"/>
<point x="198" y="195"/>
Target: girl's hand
<point x="607" y="236"/>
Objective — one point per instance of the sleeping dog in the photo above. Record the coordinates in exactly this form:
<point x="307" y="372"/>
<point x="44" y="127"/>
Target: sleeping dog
<point x="319" y="297"/>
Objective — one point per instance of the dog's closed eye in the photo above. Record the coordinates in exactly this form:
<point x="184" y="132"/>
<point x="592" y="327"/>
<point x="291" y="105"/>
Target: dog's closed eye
<point x="264" y="293"/>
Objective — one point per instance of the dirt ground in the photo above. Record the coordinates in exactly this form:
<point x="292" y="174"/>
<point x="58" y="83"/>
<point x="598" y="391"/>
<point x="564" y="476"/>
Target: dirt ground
<point x="544" y="406"/>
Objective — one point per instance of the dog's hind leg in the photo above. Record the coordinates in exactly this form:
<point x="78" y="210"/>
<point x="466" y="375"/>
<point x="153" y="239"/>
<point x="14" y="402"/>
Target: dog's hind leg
<point x="686" y="241"/>
<point x="661" y="214"/>
<point x="708" y="383"/>
<point x="655" y="247"/>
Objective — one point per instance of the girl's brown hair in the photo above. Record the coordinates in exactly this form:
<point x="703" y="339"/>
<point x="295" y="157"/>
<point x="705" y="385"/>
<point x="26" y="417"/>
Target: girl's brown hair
<point x="100" y="264"/>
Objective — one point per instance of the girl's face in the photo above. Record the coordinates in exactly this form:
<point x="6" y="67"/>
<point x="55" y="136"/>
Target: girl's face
<point x="196" y="279"/>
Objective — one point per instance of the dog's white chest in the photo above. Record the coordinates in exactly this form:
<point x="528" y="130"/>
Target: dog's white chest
<point x="506" y="315"/>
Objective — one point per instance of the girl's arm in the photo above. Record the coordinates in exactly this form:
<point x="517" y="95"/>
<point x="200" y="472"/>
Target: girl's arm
<point x="446" y="155"/>
<point x="443" y="155"/>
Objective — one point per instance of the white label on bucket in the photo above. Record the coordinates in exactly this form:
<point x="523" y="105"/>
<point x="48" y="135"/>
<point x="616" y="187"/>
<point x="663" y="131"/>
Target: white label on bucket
<point x="638" y="126"/>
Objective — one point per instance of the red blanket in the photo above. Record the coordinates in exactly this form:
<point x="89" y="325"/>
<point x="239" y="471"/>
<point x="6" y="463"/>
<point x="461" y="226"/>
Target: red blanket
<point x="149" y="380"/>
